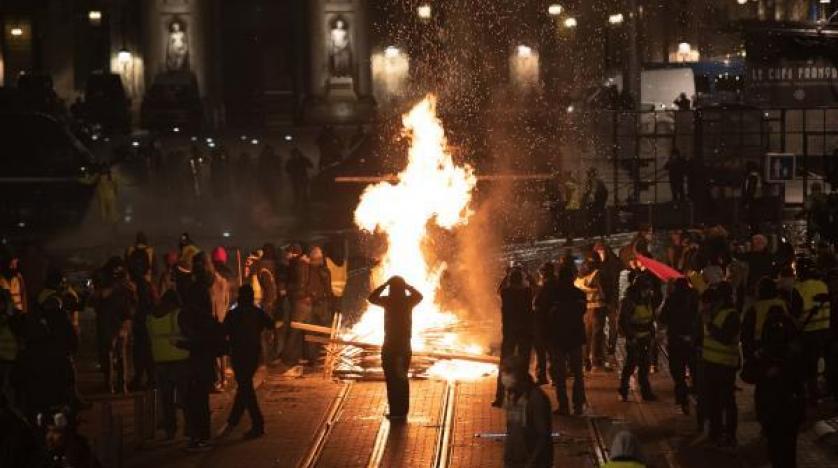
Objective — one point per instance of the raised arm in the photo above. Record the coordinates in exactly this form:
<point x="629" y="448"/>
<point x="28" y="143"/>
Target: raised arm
<point x="375" y="296"/>
<point x="415" y="296"/>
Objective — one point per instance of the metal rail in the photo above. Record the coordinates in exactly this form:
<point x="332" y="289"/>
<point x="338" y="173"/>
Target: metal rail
<point x="312" y="456"/>
<point x="445" y="436"/>
<point x="600" y="446"/>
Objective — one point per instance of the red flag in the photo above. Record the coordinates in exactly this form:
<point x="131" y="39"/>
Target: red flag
<point x="661" y="270"/>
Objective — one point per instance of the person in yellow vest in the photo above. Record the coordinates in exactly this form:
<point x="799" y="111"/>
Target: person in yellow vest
<point x="107" y="194"/>
<point x="624" y="452"/>
<point x="637" y="324"/>
<point x="12" y="280"/>
<point x="141" y="255"/>
<point x="810" y="306"/>
<point x="719" y="363"/>
<point x="8" y="345"/>
<point x="768" y="298"/>
<point x="170" y="365"/>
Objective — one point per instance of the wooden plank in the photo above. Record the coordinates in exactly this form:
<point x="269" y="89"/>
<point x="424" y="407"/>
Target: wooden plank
<point x="431" y="354"/>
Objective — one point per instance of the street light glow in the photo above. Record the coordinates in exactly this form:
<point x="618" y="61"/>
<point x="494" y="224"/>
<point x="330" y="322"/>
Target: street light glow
<point x="16" y="32"/>
<point x="424" y="11"/>
<point x="615" y="18"/>
<point x="95" y="17"/>
<point x="570" y="22"/>
<point x="741" y="2"/>
<point x="684" y="48"/>
<point x="524" y="51"/>
<point x="391" y="52"/>
<point x="554" y="9"/>
<point x="124" y="56"/>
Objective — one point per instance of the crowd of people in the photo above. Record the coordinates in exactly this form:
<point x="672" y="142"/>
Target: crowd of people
<point x="182" y="327"/>
<point x="724" y="312"/>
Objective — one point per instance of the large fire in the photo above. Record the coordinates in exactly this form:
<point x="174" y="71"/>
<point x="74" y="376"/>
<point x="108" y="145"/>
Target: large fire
<point x="430" y="189"/>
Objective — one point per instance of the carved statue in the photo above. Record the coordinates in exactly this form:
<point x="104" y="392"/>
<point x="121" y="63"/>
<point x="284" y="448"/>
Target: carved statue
<point x="340" y="49"/>
<point x="177" y="47"/>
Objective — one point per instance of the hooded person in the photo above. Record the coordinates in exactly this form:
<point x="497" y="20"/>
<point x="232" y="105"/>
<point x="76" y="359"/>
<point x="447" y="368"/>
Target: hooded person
<point x="529" y="425"/>
<point x="517" y="322"/>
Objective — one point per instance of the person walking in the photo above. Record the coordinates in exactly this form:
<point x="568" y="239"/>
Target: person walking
<point x="637" y="325"/>
<point x="720" y="360"/>
<point x="170" y="361"/>
<point x="243" y="328"/>
<point x="679" y="315"/>
<point x="516" y="322"/>
<point x="396" y="353"/>
<point x="567" y="305"/>
<point x="529" y="426"/>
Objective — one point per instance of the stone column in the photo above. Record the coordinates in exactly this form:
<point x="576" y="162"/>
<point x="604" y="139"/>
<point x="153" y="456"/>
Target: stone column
<point x="318" y="52"/>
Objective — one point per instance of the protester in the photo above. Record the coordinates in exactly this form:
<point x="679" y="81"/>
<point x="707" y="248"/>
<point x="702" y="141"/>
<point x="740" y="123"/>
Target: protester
<point x="243" y="327"/>
<point x="115" y="302"/>
<point x="170" y="361"/>
<point x="65" y="447"/>
<point x="141" y="254"/>
<point x="298" y="167"/>
<point x="720" y="360"/>
<point x="810" y="307"/>
<point x="396" y="352"/>
<point x="590" y="283"/>
<point x="676" y="166"/>
<point x="319" y="288"/>
<point x="8" y="345"/>
<point x="529" y="426"/>
<point x="516" y="322"/>
<point x="679" y="314"/>
<point x="147" y="299"/>
<point x="542" y="324"/>
<point x="637" y="325"/>
<point x="567" y="306"/>
<point x="12" y="280"/>
<point x="609" y="280"/>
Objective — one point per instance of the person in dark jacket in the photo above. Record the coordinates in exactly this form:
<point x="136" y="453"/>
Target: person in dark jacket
<point x="201" y="339"/>
<point x="609" y="268"/>
<point x="637" y="325"/>
<point x="529" y="426"/>
<point x="567" y="305"/>
<point x="147" y="299"/>
<point x="396" y="352"/>
<point x="243" y="327"/>
<point x="679" y="314"/>
<point x="319" y="288"/>
<point x="542" y="325"/>
<point x="516" y="319"/>
<point x="115" y="301"/>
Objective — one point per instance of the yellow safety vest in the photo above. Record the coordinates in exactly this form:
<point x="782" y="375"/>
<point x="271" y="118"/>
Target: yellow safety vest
<point x="623" y="464"/>
<point x="641" y="320"/>
<point x="808" y="290"/>
<point x="716" y="352"/>
<point x="761" y="309"/>
<point x="164" y="332"/>
<point x="339" y="275"/>
<point x="15" y="288"/>
<point x="8" y="342"/>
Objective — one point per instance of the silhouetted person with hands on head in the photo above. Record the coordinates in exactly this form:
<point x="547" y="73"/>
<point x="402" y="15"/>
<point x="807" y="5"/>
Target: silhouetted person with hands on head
<point x="398" y="306"/>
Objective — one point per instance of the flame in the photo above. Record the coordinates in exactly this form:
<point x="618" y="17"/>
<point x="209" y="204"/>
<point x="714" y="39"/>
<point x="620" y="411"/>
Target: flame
<point x="430" y="189"/>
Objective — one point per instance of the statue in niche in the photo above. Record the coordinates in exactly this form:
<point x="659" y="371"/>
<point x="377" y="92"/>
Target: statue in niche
<point x="177" y="47"/>
<point x="340" y="49"/>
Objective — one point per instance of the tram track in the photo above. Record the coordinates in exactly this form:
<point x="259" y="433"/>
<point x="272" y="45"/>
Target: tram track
<point x="321" y="437"/>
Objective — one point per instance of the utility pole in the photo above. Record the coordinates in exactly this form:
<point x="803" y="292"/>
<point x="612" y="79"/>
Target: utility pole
<point x="632" y="74"/>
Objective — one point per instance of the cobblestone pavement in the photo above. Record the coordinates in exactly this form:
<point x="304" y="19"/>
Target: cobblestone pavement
<point x="360" y="437"/>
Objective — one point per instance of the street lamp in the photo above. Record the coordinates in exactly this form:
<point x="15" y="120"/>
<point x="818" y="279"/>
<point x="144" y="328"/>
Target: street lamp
<point x="95" y="17"/>
<point x="424" y="11"/>
<point x="524" y="51"/>
<point x="570" y="23"/>
<point x="391" y="52"/>
<point x="123" y="57"/>
<point x="615" y="19"/>
<point x="554" y="9"/>
<point x="16" y="32"/>
<point x="742" y="2"/>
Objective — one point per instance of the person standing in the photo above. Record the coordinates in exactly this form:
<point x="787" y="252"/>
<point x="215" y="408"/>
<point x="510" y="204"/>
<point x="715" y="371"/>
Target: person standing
<point x="609" y="280"/>
<point x="141" y="254"/>
<point x="319" y="287"/>
<point x="12" y="280"/>
<point x="529" y="426"/>
<point x="243" y="328"/>
<point x="9" y="316"/>
<point x="637" y="325"/>
<point x="810" y="305"/>
<point x="202" y="338"/>
<point x="679" y="314"/>
<point x="147" y="299"/>
<point x="298" y="167"/>
<point x="595" y="315"/>
<point x="115" y="302"/>
<point x="779" y="396"/>
<point x="541" y="324"/>
<point x="516" y="321"/>
<point x="396" y="352"/>
<point x="567" y="305"/>
<point x="720" y="360"/>
<point x="676" y="167"/>
<point x="170" y="361"/>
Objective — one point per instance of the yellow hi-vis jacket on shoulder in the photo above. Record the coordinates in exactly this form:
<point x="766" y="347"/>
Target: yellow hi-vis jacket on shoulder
<point x="761" y="309"/>
<point x="809" y="290"/>
<point x="623" y="464"/>
<point x="164" y="333"/>
<point x="641" y="321"/>
<point x="716" y="352"/>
